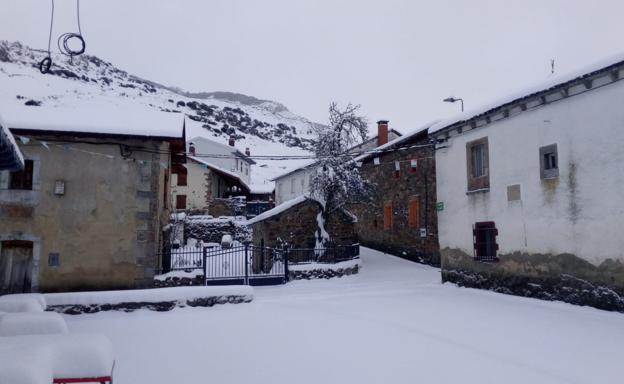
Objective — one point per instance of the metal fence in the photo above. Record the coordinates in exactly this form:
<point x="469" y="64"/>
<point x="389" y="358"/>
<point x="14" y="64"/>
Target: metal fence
<point x="330" y="255"/>
<point x="248" y="264"/>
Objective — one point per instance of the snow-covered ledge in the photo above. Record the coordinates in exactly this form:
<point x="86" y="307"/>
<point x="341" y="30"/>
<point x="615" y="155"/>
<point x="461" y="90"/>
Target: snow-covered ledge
<point x="158" y="299"/>
<point x="310" y="271"/>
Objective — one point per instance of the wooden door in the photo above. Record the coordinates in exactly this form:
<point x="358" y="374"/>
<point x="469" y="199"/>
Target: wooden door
<point x="16" y="261"/>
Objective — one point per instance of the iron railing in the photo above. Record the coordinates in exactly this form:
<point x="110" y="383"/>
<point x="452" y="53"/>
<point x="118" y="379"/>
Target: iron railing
<point x="248" y="264"/>
<point x="330" y="255"/>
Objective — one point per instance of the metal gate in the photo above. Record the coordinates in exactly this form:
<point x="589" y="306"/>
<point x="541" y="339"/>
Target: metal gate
<point x="247" y="265"/>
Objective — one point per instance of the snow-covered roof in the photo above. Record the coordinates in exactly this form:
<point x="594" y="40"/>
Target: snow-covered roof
<point x="305" y="165"/>
<point x="396" y="141"/>
<point x="218" y="169"/>
<point x="229" y="148"/>
<point x="261" y="189"/>
<point x="10" y="156"/>
<point x="279" y="209"/>
<point x="312" y="162"/>
<point x="548" y="85"/>
<point x="101" y="119"/>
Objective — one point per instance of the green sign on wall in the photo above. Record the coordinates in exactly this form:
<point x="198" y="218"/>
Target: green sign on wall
<point x="440" y="206"/>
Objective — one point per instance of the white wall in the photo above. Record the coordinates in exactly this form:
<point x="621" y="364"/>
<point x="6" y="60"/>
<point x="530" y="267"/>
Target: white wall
<point x="205" y="146"/>
<point x="196" y="188"/>
<point x="585" y="219"/>
<point x="293" y="185"/>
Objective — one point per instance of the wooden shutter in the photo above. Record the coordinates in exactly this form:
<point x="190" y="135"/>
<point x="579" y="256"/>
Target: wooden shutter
<point x="387" y="216"/>
<point x="23" y="179"/>
<point x="181" y="202"/>
<point x="182" y="177"/>
<point x="413" y="210"/>
<point x="484" y="235"/>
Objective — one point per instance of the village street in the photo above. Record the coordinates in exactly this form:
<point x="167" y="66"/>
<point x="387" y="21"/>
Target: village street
<point x="392" y="323"/>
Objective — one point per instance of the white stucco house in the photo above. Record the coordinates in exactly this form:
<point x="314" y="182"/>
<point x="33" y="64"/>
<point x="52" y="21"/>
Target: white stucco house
<point x="296" y="182"/>
<point x="529" y="190"/>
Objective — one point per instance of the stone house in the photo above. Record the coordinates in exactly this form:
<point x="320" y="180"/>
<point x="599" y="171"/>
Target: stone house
<point x="296" y="182"/>
<point x="400" y="217"/>
<point x="202" y="183"/>
<point x="216" y="173"/>
<point x="530" y="187"/>
<point x="296" y="224"/>
<point x="85" y="212"/>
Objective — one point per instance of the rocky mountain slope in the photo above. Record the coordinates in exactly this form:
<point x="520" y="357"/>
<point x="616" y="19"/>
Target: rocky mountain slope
<point x="267" y="127"/>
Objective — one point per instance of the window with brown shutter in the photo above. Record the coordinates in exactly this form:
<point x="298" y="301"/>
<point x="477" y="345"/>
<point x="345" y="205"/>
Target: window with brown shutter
<point x="387" y="216"/>
<point x="22" y="179"/>
<point x="485" y="246"/>
<point x="180" y="201"/>
<point x="182" y="177"/>
<point x="413" y="212"/>
<point x="478" y="164"/>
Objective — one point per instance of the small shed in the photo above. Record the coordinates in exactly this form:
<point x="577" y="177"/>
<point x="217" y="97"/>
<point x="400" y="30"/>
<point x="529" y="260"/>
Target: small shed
<point x="298" y="223"/>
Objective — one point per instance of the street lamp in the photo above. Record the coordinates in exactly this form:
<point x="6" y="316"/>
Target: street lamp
<point x="454" y="99"/>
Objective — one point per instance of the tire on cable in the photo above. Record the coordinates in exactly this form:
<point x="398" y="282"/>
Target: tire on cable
<point x="45" y="65"/>
<point x="65" y="42"/>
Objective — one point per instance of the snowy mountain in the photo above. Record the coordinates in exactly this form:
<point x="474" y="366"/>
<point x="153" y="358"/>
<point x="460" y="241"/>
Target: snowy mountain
<point x="266" y="127"/>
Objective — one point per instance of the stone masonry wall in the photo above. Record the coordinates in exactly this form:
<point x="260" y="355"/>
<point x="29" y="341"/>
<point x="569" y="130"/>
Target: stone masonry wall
<point x="562" y="277"/>
<point x="420" y="182"/>
<point x="297" y="228"/>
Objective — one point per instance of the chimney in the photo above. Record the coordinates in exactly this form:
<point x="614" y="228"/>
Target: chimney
<point x="382" y="132"/>
<point x="232" y="141"/>
<point x="192" y="149"/>
<point x="247" y="152"/>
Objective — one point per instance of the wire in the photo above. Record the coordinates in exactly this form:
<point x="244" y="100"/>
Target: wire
<point x="64" y="42"/>
<point x="46" y="63"/>
<point x="65" y="39"/>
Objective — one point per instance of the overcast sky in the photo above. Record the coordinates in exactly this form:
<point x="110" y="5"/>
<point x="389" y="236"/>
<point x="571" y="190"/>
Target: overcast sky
<point x="397" y="58"/>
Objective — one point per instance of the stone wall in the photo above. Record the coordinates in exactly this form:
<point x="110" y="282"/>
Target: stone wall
<point x="212" y="230"/>
<point x="420" y="182"/>
<point x="297" y="228"/>
<point x="562" y="277"/>
<point x="161" y="306"/>
<point x="226" y="207"/>
<point x="323" y="273"/>
<point x="104" y="229"/>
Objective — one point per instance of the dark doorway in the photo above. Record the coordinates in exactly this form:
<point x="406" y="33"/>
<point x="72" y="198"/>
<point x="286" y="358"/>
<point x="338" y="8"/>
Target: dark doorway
<point x="16" y="262"/>
<point x="485" y="246"/>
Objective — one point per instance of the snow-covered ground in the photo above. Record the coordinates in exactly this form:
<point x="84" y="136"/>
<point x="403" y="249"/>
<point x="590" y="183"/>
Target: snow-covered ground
<point x="394" y="322"/>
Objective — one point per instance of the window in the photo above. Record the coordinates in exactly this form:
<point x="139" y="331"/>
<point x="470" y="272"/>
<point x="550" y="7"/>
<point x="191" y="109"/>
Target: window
<point x="549" y="162"/>
<point x="477" y="161"/>
<point x="413" y="165"/>
<point x="182" y="177"/>
<point x="484" y="236"/>
<point x="292" y="185"/>
<point x="22" y="179"/>
<point x="181" y="202"/>
<point x="387" y="215"/>
<point x="303" y="184"/>
<point x="54" y="260"/>
<point x="413" y="212"/>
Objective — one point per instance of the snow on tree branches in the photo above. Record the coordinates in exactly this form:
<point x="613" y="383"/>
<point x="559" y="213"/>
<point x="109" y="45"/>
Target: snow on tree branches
<point x="337" y="179"/>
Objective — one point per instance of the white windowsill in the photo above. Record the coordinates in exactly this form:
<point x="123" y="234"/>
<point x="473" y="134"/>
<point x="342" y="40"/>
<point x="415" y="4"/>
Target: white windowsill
<point x="474" y="191"/>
